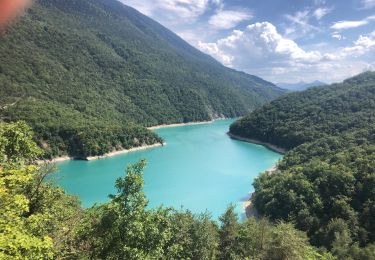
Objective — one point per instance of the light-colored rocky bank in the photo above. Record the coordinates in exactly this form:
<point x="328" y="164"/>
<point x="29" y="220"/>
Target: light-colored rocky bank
<point x="90" y="158"/>
<point x="268" y="145"/>
<point x="185" y="124"/>
<point x="180" y="124"/>
<point x="139" y="148"/>
<point x="250" y="210"/>
<point x="248" y="205"/>
<point x="55" y="160"/>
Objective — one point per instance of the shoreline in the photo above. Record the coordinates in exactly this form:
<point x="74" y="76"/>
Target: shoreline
<point x="124" y="151"/>
<point x="179" y="124"/>
<point x="110" y="154"/>
<point x="272" y="147"/>
<point x="249" y="209"/>
<point x="134" y="149"/>
<point x="248" y="205"/>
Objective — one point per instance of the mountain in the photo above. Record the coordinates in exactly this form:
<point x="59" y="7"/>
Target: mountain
<point x="300" y="85"/>
<point x="326" y="181"/>
<point x="89" y="75"/>
<point x="305" y="116"/>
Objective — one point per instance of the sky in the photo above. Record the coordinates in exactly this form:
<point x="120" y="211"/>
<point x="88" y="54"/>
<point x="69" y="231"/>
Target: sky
<point x="279" y="40"/>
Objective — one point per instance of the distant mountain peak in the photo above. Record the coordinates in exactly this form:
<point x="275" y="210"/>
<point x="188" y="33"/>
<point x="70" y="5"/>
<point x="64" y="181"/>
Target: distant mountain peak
<point x="299" y="86"/>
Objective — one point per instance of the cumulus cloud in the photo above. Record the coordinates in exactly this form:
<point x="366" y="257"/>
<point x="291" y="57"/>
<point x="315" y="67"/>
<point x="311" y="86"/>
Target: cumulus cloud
<point x="363" y="45"/>
<point x="227" y="19"/>
<point x="260" y="49"/>
<point x="342" y="25"/>
<point x="259" y="43"/>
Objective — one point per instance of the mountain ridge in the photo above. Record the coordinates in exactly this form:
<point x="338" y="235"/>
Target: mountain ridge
<point x="95" y="64"/>
<point x="299" y="86"/>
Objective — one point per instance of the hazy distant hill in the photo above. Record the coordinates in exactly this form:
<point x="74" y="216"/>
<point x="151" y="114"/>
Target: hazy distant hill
<point x="81" y="72"/>
<point x="300" y="85"/>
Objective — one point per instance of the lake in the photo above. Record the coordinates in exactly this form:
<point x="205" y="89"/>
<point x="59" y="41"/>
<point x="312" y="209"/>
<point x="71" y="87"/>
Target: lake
<point x="199" y="169"/>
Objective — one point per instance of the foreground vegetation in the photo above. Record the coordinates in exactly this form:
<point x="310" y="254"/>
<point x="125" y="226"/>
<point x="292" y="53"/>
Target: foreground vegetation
<point x="95" y="72"/>
<point x="39" y="221"/>
<point x="326" y="182"/>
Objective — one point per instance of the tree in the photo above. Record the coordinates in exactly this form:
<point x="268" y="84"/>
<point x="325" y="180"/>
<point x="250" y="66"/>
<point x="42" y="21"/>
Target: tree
<point x="123" y="228"/>
<point x="193" y="236"/>
<point x="16" y="237"/>
<point x="287" y="243"/>
<point x="16" y="143"/>
<point x="228" y="233"/>
<point x="254" y="238"/>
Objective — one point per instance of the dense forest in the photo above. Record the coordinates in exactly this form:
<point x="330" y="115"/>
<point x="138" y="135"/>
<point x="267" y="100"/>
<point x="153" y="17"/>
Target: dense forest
<point x="39" y="221"/>
<point x="90" y="71"/>
<point x="325" y="183"/>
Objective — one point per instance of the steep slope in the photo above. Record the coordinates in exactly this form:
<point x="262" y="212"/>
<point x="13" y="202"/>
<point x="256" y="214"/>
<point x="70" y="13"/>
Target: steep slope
<point x="79" y="70"/>
<point x="306" y="116"/>
<point x="326" y="182"/>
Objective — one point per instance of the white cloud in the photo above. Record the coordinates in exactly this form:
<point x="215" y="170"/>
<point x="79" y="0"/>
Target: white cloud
<point x="321" y="12"/>
<point x="368" y="4"/>
<point x="142" y="6"/>
<point x="184" y="8"/>
<point x="342" y="25"/>
<point x="227" y="19"/>
<point x="214" y="50"/>
<point x="261" y="50"/>
<point x="363" y="45"/>
<point x="259" y="44"/>
<point x="300" y="24"/>
<point x="338" y="36"/>
<point x="348" y="24"/>
<point x="169" y="10"/>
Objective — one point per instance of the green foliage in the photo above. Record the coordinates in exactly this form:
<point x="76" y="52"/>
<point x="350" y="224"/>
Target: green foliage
<point x="39" y="221"/>
<point x="302" y="117"/>
<point x="123" y="228"/>
<point x="32" y="213"/>
<point x="16" y="239"/>
<point x="254" y="239"/>
<point x="193" y="236"/>
<point x="83" y="71"/>
<point x="287" y="243"/>
<point x="325" y="183"/>
<point x="228" y="234"/>
<point x="16" y="144"/>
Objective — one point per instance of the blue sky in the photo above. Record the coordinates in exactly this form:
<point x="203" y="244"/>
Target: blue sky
<point x="279" y="40"/>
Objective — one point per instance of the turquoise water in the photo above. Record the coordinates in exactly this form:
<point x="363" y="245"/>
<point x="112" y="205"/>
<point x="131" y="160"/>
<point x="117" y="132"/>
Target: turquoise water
<point x="200" y="168"/>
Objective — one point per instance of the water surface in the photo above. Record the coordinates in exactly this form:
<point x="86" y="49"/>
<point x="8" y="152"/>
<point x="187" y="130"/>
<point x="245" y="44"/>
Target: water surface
<point x="199" y="169"/>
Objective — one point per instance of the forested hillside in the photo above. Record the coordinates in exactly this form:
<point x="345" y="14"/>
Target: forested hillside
<point x="39" y="221"/>
<point x="326" y="182"/>
<point x="82" y="70"/>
